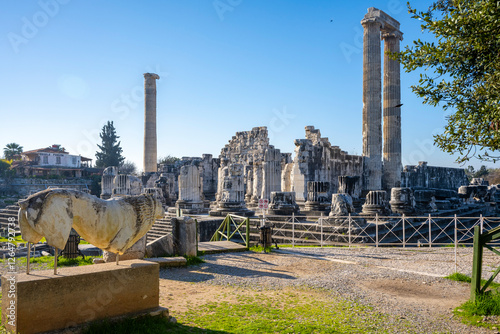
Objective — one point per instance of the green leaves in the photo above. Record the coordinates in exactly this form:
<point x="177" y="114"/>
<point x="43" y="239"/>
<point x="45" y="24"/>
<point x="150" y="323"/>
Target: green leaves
<point x="466" y="60"/>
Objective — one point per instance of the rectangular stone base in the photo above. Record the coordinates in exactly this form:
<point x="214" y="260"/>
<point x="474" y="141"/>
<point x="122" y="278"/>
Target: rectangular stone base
<point x="43" y="301"/>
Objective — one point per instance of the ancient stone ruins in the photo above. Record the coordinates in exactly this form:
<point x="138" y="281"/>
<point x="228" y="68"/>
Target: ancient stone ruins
<point x="318" y="178"/>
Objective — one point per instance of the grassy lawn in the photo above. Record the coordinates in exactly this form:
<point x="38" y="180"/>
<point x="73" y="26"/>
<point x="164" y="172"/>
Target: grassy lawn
<point x="279" y="311"/>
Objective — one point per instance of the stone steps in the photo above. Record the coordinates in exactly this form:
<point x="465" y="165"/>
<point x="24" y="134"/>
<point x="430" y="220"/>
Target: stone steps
<point x="160" y="228"/>
<point x="10" y="211"/>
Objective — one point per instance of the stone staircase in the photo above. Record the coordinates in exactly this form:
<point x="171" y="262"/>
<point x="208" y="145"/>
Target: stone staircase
<point x="9" y="212"/>
<point x="160" y="228"/>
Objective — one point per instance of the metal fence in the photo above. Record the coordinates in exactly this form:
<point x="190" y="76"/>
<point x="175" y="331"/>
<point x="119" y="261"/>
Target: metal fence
<point x="453" y="233"/>
<point x="421" y="231"/>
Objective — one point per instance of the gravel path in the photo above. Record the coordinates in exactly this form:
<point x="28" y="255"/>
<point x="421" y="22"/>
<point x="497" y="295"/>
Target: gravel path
<point x="406" y="284"/>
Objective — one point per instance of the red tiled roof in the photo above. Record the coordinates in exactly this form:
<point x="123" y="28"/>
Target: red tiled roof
<point x="45" y="150"/>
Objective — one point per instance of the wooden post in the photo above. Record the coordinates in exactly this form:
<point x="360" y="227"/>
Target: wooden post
<point x="430" y="230"/>
<point x="28" y="259"/>
<point x="56" y="252"/>
<point x="404" y="232"/>
<point x="228" y="228"/>
<point x="247" y="237"/>
<point x="349" y="230"/>
<point x="477" y="261"/>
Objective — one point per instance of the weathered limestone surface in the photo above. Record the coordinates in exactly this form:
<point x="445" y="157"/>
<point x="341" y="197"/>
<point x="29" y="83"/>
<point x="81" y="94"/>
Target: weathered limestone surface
<point x="231" y="194"/>
<point x="317" y="160"/>
<point x="150" y="158"/>
<point x="190" y="190"/>
<point x="425" y="176"/>
<point x="372" y="103"/>
<point x="341" y="205"/>
<point x="185" y="236"/>
<point x="282" y="203"/>
<point x="392" y="112"/>
<point x="402" y="200"/>
<point x="108" y="176"/>
<point x="377" y="25"/>
<point x="163" y="246"/>
<point x="113" y="225"/>
<point x="376" y="203"/>
<point x="168" y="177"/>
<point x="262" y="163"/>
<point x="136" y="251"/>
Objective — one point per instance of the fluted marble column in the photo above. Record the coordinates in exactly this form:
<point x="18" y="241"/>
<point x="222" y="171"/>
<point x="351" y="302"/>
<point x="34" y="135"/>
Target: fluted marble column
<point x="150" y="159"/>
<point x="372" y="104"/>
<point x="392" y="113"/>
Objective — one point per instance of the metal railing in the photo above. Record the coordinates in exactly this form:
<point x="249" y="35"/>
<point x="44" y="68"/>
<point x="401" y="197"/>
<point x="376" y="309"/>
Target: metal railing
<point x="378" y="230"/>
<point x="232" y="225"/>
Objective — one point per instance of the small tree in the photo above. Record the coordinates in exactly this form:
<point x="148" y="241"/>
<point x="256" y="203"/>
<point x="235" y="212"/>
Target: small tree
<point x="128" y="167"/>
<point x="167" y="160"/>
<point x="111" y="152"/>
<point x="11" y="150"/>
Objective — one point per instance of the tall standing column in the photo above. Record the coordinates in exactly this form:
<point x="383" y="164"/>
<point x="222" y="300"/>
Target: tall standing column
<point x="372" y="104"/>
<point x="392" y="113"/>
<point x="150" y="159"/>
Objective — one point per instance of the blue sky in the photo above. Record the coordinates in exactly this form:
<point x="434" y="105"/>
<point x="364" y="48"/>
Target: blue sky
<point x="68" y="66"/>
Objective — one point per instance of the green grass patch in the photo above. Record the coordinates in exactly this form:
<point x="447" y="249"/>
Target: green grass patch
<point x="260" y="249"/>
<point x="17" y="240"/>
<point x="282" y="311"/>
<point x="475" y="312"/>
<point x="193" y="260"/>
<point x="459" y="277"/>
<point x="47" y="262"/>
<point x="285" y="312"/>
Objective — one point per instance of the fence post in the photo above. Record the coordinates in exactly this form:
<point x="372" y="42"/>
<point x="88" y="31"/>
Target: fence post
<point x="293" y="229"/>
<point x="481" y="222"/>
<point x="321" y="222"/>
<point x="349" y="230"/>
<point x="229" y="227"/>
<point x="456" y="241"/>
<point x="376" y="230"/>
<point x="477" y="261"/>
<point x="430" y="231"/>
<point x="247" y="237"/>
<point x="404" y="232"/>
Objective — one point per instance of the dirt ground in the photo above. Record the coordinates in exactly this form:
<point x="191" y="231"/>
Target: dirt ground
<point x="433" y="295"/>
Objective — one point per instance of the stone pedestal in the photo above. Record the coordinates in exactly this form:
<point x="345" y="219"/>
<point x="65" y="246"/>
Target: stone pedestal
<point x="283" y="203"/>
<point x="425" y="201"/>
<point x="341" y="205"/>
<point x="375" y="203"/>
<point x="318" y="197"/>
<point x="402" y="200"/>
<point x="44" y="302"/>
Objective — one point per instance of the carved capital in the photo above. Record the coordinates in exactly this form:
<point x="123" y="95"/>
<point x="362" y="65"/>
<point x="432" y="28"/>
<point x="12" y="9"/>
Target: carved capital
<point x="392" y="34"/>
<point x="151" y="76"/>
<point x="372" y="22"/>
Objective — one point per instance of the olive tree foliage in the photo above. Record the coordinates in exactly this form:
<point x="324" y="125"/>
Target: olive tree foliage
<point x="462" y="73"/>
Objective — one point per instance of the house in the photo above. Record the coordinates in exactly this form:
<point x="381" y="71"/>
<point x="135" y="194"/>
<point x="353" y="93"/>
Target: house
<point x="52" y="160"/>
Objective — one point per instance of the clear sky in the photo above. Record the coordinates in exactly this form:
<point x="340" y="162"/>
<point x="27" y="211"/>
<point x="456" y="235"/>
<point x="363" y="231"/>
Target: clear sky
<point x="68" y="66"/>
